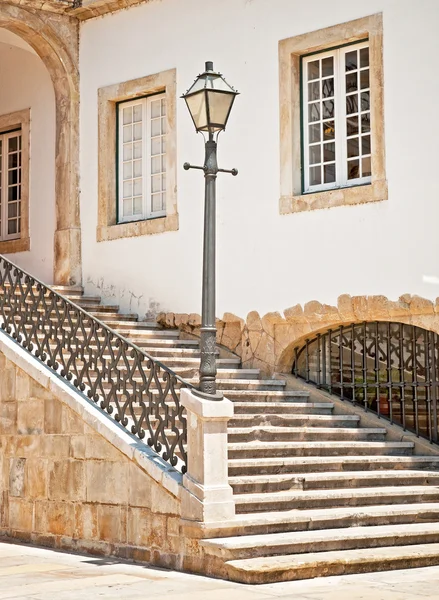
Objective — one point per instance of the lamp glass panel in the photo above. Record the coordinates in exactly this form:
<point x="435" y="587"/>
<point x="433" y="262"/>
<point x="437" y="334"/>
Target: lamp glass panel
<point x="219" y="107"/>
<point x="197" y="107"/>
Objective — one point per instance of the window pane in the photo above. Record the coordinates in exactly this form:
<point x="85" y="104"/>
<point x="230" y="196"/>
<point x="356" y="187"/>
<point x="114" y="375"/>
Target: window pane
<point x="314" y="133"/>
<point x="163" y="101"/>
<point x="328" y="109"/>
<point x="351" y="104"/>
<point x="163" y="126"/>
<point x="12" y="209"/>
<point x="137" y="116"/>
<point x="13" y="144"/>
<point x="127" y="152"/>
<point x="128" y="170"/>
<point x="127" y="115"/>
<point x="328" y="66"/>
<point x="365" y="101"/>
<point x="138" y="131"/>
<point x="156" y="109"/>
<point x="315" y="155"/>
<point x="156" y="127"/>
<point x="315" y="177"/>
<point x="156" y="164"/>
<point x="353" y="147"/>
<point x="156" y="183"/>
<point x="137" y="206"/>
<point x="364" y="57"/>
<point x="156" y="202"/>
<point x="314" y="90"/>
<point x="314" y="69"/>
<point x="328" y="88"/>
<point x="329" y="152"/>
<point x="351" y="82"/>
<point x="366" y="165"/>
<point x="137" y="168"/>
<point x="351" y="60"/>
<point x="329" y="173"/>
<point x="314" y="112"/>
<point x="352" y="125"/>
<point x="127" y="133"/>
<point x="137" y="187"/>
<point x="138" y="150"/>
<point x="156" y="146"/>
<point x="127" y="189"/>
<point x="328" y="130"/>
<point x="365" y="144"/>
<point x="364" y="79"/>
<point x="353" y="169"/>
<point x="127" y="208"/>
<point x="365" y="123"/>
<point x="12" y="227"/>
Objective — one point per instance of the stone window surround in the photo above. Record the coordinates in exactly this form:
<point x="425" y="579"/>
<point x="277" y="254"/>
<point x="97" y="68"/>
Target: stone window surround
<point x="292" y="199"/>
<point x="20" y="120"/>
<point x="108" y="228"/>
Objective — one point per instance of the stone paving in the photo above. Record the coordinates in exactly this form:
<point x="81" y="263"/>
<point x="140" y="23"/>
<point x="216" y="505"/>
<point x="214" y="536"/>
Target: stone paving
<point x="39" y="574"/>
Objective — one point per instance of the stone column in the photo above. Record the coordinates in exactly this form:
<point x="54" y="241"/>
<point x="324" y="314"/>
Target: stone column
<point x="207" y="496"/>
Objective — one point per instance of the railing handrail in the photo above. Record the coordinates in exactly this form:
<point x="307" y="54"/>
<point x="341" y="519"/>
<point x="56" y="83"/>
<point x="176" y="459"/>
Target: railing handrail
<point x="101" y="323"/>
<point x="98" y="372"/>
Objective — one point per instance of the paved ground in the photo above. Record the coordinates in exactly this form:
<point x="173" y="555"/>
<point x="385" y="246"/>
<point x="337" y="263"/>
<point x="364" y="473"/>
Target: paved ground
<point x="39" y="574"/>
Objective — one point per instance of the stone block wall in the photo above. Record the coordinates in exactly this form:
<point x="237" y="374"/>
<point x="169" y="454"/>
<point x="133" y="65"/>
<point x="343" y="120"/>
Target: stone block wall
<point x="268" y="342"/>
<point x="64" y="484"/>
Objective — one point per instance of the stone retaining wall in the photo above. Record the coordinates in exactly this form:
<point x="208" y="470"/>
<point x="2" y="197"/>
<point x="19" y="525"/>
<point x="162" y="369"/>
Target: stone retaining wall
<point x="72" y="478"/>
<point x="268" y="342"/>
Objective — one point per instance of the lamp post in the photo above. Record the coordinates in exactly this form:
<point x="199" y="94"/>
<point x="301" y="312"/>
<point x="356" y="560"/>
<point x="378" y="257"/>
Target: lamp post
<point x="209" y="100"/>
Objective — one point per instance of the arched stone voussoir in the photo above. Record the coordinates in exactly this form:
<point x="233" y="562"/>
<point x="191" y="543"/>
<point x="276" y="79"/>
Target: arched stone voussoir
<point x="54" y="38"/>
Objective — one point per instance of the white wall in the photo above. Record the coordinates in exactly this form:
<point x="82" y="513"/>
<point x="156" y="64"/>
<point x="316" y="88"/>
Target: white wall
<point x="266" y="261"/>
<point x="25" y="83"/>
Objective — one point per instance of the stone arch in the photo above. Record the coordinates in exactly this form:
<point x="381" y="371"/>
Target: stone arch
<point x="54" y="38"/>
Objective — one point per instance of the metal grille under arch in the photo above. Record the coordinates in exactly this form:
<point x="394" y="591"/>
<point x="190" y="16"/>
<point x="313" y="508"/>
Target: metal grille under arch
<point x="389" y="368"/>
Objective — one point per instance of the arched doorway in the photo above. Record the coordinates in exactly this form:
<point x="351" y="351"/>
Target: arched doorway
<point x="56" y="43"/>
<point x="389" y="368"/>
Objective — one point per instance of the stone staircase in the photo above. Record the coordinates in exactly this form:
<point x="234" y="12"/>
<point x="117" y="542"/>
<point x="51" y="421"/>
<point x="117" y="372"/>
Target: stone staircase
<point x="316" y="493"/>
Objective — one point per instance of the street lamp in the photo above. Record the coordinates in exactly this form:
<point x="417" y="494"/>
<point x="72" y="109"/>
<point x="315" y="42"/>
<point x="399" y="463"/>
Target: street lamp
<point x="209" y="100"/>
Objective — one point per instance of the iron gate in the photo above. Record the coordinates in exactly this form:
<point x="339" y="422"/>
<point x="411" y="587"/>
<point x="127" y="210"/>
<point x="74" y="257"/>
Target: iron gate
<point x="389" y="368"/>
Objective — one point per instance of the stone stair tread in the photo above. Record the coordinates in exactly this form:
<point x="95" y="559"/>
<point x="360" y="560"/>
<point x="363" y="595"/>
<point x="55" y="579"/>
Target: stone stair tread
<point x="273" y="382"/>
<point x="278" y="393"/>
<point x="291" y="496"/>
<point x="300" y="566"/>
<point x="320" y="460"/>
<point x="307" y="537"/>
<point x="323" y="444"/>
<point x="345" y="476"/>
<point x="305" y="417"/>
<point x="275" y="405"/>
<point x="312" y="517"/>
<point x="322" y="430"/>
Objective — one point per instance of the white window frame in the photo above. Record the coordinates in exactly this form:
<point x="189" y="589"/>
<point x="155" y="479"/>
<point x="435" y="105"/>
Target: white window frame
<point x="4" y="185"/>
<point x="341" y="177"/>
<point x="147" y="212"/>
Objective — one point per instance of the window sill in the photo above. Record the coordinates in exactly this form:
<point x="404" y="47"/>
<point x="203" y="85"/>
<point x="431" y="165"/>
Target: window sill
<point x="137" y="228"/>
<point x="361" y="194"/>
<point x="12" y="246"/>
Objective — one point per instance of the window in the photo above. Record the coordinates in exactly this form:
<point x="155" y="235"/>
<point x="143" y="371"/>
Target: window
<point x="142" y="159"/>
<point x="10" y="184"/>
<point x="336" y="118"/>
<point x="137" y="181"/>
<point x="331" y="107"/>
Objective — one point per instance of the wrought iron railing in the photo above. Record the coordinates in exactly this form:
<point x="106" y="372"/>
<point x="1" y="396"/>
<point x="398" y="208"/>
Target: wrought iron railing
<point x="139" y="392"/>
<point x="391" y="369"/>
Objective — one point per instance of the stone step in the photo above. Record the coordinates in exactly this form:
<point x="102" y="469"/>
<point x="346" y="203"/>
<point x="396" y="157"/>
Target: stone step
<point x="281" y="408"/>
<point x="324" y="464"/>
<point x="317" y="481"/>
<point x="107" y="315"/>
<point x="102" y="308"/>
<point x="291" y="434"/>
<point x="297" y="566"/>
<point x="329" y="518"/>
<point x="323" y="448"/>
<point x="303" y="542"/>
<point x="192" y="353"/>
<point x="293" y="420"/>
<point x="309" y="499"/>
<point x="262" y="396"/>
<point x="250" y="384"/>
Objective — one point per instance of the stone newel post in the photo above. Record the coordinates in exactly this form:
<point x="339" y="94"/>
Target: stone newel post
<point x="207" y="495"/>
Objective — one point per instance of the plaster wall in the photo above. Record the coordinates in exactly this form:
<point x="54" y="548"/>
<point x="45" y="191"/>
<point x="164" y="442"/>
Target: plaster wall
<point x="266" y="261"/>
<point x="25" y="83"/>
